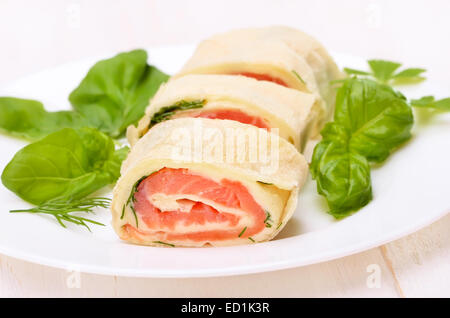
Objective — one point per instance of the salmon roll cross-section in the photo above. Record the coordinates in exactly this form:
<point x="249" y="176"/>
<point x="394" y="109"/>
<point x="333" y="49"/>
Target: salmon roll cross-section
<point x="262" y="104"/>
<point x="204" y="182"/>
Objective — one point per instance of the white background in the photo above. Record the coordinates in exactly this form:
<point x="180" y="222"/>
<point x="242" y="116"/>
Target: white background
<point x="35" y="35"/>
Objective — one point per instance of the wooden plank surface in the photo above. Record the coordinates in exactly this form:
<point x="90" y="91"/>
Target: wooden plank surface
<point x="346" y="277"/>
<point x="421" y="261"/>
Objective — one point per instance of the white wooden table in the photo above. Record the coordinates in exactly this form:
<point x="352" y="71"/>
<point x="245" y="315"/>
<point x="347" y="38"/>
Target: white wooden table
<point x="37" y="35"/>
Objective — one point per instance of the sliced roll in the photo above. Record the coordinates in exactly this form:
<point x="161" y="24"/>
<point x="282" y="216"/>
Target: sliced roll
<point x="246" y="100"/>
<point x="278" y="54"/>
<point x="200" y="182"/>
<point x="322" y="64"/>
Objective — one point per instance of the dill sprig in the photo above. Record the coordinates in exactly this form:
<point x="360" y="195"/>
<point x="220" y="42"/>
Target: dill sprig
<point x="62" y="211"/>
<point x="240" y="234"/>
<point x="167" y="112"/>
<point x="164" y="243"/>
<point x="299" y="77"/>
<point x="131" y="199"/>
<point x="268" y="220"/>
<point x="265" y="183"/>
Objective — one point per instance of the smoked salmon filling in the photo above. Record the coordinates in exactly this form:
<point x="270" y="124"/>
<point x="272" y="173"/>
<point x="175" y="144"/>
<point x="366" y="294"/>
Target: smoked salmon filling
<point x="239" y="98"/>
<point x="230" y="114"/>
<point x="282" y="55"/>
<point x="165" y="198"/>
<point x="262" y="77"/>
<point x="177" y="204"/>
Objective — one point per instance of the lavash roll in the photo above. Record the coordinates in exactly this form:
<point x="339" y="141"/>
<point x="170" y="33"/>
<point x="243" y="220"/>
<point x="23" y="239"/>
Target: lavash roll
<point x="278" y="51"/>
<point x="292" y="112"/>
<point x="172" y="147"/>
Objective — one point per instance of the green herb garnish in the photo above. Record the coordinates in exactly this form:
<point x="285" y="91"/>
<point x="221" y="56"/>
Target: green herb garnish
<point x="240" y="234"/>
<point x="116" y="91"/>
<point x="131" y="199"/>
<point x="62" y="211"/>
<point x="251" y="239"/>
<point x="370" y="121"/>
<point x="112" y="96"/>
<point x="385" y="72"/>
<point x="65" y="166"/>
<point x="299" y="77"/>
<point x="167" y="112"/>
<point x="279" y="225"/>
<point x="268" y="220"/>
<point x="57" y="172"/>
<point x="135" y="215"/>
<point x="164" y="243"/>
<point x="265" y="183"/>
<point x="26" y="118"/>
<point x="432" y="103"/>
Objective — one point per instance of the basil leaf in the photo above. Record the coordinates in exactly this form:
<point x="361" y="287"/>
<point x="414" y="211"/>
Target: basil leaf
<point x="383" y="70"/>
<point x="423" y="101"/>
<point x="165" y="113"/>
<point x="370" y="120"/>
<point x="116" y="91"/>
<point x="28" y="119"/>
<point x="342" y="175"/>
<point x="410" y="72"/>
<point x="66" y="165"/>
<point x="352" y="71"/>
<point x="431" y="102"/>
<point x="442" y="104"/>
<point x="377" y="118"/>
<point x="409" y="76"/>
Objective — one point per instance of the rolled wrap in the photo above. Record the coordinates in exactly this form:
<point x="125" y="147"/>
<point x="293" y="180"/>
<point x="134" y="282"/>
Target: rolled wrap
<point x="315" y="54"/>
<point x="259" y="103"/>
<point x="280" y="54"/>
<point x="200" y="182"/>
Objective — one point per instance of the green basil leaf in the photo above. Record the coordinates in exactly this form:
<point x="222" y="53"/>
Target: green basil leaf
<point x="165" y="113"/>
<point x="370" y="120"/>
<point x="342" y="175"/>
<point x="431" y="102"/>
<point x="331" y="132"/>
<point x="28" y="119"/>
<point x="66" y="165"/>
<point x="423" y="101"/>
<point x="352" y="71"/>
<point x="377" y="118"/>
<point x="410" y="72"/>
<point x="383" y="70"/>
<point x="409" y="76"/>
<point x="116" y="91"/>
<point x="442" y="104"/>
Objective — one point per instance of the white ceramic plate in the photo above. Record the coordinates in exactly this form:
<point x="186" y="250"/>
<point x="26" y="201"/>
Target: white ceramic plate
<point x="411" y="190"/>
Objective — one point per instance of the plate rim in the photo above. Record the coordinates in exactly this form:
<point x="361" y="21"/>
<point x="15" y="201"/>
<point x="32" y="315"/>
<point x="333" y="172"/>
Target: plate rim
<point x="224" y="272"/>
